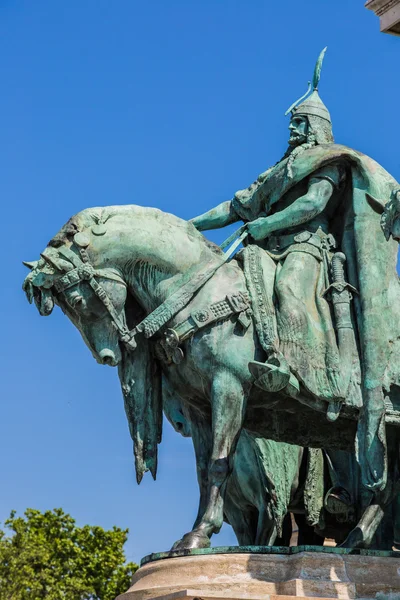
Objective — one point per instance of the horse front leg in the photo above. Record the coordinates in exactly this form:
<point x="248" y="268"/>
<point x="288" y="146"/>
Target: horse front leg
<point x="228" y="404"/>
<point x="201" y="436"/>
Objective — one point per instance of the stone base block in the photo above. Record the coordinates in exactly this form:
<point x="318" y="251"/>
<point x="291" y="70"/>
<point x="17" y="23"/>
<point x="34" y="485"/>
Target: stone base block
<point x="251" y="576"/>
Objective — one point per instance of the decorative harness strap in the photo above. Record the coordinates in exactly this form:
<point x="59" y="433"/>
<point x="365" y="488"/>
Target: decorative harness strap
<point x="167" y="348"/>
<point x="233" y="304"/>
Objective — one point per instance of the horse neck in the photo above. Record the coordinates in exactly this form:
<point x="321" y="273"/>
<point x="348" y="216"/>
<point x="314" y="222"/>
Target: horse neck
<point x="151" y="250"/>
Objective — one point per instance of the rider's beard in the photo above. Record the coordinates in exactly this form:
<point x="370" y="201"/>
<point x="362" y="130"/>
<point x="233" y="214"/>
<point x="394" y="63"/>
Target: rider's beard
<point x="296" y="139"/>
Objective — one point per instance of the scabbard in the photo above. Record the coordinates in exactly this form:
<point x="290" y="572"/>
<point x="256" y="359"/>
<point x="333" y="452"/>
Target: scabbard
<point x="340" y="293"/>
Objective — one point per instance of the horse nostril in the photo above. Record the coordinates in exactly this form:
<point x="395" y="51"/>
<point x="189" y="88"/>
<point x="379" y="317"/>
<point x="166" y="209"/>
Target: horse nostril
<point x="107" y="357"/>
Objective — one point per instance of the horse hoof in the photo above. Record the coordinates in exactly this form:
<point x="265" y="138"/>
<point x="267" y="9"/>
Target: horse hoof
<point x="191" y="540"/>
<point x="355" y="539"/>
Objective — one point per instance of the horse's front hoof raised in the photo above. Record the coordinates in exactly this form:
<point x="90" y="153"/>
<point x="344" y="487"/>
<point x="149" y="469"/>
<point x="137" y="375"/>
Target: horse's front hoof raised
<point x="194" y="539"/>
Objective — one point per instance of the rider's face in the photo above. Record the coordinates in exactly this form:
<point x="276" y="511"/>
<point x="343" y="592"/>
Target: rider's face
<point x="298" y="130"/>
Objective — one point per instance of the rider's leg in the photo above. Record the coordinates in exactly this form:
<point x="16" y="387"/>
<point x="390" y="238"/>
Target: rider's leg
<point x="295" y="286"/>
<point x="273" y="374"/>
<point x="296" y="289"/>
<point x="306" y="330"/>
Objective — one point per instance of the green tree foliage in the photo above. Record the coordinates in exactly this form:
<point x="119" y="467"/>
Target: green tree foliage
<point x="45" y="555"/>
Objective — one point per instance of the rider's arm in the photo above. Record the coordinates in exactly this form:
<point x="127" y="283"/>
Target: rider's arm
<point x="217" y="217"/>
<point x="303" y="210"/>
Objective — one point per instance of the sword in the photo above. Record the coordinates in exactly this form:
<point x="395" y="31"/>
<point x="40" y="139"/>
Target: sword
<point x="239" y="235"/>
<point x="341" y="294"/>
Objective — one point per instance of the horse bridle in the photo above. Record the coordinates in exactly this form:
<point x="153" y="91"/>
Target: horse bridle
<point x="84" y="271"/>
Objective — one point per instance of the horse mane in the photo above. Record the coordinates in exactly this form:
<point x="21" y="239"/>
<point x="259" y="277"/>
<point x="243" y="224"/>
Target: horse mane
<point x="95" y="216"/>
<point x="83" y="219"/>
<point x="65" y="234"/>
<point x="147" y="275"/>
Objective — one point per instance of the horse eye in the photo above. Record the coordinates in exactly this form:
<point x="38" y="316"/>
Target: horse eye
<point x="77" y="301"/>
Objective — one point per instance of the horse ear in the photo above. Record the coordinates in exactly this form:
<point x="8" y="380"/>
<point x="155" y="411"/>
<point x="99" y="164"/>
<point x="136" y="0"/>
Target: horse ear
<point x="53" y="259"/>
<point x="30" y="264"/>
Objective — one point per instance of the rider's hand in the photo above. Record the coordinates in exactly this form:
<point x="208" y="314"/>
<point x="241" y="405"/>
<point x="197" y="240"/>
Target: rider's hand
<point x="258" y="229"/>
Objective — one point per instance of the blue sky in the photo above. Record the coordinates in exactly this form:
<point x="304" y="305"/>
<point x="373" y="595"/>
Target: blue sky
<point x="169" y="104"/>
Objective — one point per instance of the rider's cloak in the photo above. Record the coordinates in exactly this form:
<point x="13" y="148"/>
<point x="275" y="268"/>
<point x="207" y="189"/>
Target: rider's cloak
<point x="371" y="269"/>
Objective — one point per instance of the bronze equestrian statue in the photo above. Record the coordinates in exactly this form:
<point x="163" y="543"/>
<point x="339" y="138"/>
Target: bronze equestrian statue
<point x="296" y="338"/>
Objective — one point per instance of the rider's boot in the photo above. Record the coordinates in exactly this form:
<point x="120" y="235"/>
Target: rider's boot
<point x="274" y="375"/>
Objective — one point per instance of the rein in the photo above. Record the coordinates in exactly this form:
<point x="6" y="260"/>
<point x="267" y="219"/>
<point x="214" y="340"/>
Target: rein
<point x="159" y="317"/>
<point x="183" y="295"/>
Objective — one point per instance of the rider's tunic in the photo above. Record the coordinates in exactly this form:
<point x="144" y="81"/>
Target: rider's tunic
<point x="299" y="266"/>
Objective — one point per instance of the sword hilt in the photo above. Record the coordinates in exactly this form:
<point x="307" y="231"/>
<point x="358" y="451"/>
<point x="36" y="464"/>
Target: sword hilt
<point x="339" y="285"/>
<point x="338" y="261"/>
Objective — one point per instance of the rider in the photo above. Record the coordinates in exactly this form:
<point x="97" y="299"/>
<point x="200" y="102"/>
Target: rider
<point x="296" y="230"/>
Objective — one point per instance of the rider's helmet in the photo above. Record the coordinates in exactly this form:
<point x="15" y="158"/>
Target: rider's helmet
<point x="312" y="107"/>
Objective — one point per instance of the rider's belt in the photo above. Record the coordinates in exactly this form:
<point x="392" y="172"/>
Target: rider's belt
<point x="319" y="239"/>
<point x="234" y="304"/>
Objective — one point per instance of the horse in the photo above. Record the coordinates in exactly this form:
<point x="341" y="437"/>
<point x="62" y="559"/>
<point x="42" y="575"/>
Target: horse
<point x="122" y="274"/>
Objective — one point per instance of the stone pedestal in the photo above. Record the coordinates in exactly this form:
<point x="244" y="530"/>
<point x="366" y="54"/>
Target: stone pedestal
<point x="244" y="574"/>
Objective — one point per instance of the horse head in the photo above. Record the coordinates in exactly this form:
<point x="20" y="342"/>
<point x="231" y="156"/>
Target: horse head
<point x="93" y="298"/>
<point x="107" y="269"/>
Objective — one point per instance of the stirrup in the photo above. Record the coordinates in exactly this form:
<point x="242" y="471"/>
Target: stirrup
<point x="271" y="376"/>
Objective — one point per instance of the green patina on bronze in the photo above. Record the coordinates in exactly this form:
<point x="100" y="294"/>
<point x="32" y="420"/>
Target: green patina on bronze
<point x="282" y="550"/>
<point x="282" y="363"/>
